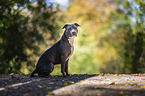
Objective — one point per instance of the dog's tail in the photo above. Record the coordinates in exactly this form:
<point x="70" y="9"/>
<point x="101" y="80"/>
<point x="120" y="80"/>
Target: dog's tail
<point x="32" y="74"/>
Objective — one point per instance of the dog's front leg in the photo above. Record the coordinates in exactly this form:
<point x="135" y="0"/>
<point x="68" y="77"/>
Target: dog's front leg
<point x="63" y="66"/>
<point x="66" y="68"/>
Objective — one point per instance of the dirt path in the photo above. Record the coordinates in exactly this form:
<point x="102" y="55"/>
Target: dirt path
<point x="77" y="84"/>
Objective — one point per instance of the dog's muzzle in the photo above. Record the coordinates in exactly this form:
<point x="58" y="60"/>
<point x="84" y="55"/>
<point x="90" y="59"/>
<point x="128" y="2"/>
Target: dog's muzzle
<point x="74" y="33"/>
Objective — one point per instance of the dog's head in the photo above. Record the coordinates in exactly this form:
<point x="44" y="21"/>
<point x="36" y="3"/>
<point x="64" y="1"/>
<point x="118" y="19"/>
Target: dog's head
<point x="71" y="29"/>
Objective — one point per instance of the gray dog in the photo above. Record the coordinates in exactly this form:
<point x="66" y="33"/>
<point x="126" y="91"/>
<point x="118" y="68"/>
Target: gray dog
<point x="59" y="53"/>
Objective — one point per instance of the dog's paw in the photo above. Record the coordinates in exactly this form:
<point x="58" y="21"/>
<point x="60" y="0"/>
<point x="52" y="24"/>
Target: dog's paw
<point x="31" y="76"/>
<point x="51" y="76"/>
<point x="67" y="74"/>
<point x="64" y="75"/>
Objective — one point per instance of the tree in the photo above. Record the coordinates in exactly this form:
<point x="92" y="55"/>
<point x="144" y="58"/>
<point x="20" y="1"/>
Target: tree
<point x="22" y="28"/>
<point x="129" y="16"/>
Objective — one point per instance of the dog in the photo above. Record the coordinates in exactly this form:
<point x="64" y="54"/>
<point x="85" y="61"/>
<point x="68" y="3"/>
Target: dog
<point x="59" y="53"/>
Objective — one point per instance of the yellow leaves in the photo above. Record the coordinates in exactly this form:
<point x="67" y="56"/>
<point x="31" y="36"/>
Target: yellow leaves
<point x="59" y="83"/>
<point x="83" y="83"/>
<point x="143" y="86"/>
<point x="65" y="84"/>
<point x="121" y="92"/>
<point x="50" y="93"/>
<point x="126" y="84"/>
<point x="70" y="92"/>
<point x="133" y="84"/>
<point x="102" y="74"/>
<point x="131" y="79"/>
<point x="86" y="80"/>
<point x="62" y="91"/>
<point x="32" y="79"/>
<point x="67" y="92"/>
<point x="120" y="74"/>
<point x="48" y="88"/>
<point x="71" y="82"/>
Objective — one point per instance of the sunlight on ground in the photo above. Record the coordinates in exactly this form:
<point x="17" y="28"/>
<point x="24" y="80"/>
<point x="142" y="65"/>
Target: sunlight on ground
<point x="94" y="85"/>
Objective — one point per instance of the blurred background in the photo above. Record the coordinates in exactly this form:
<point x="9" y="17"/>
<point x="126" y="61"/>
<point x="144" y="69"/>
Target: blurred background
<point x="111" y="38"/>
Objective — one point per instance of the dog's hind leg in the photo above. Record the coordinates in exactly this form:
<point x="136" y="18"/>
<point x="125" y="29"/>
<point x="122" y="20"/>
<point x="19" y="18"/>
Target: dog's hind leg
<point x="45" y="69"/>
<point x="32" y="74"/>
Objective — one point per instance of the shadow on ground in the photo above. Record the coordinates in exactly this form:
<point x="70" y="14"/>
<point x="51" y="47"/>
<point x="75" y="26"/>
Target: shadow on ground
<point x="23" y="85"/>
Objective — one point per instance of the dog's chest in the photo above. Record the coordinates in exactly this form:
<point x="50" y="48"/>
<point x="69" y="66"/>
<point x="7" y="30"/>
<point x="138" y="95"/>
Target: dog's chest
<point x="71" y="40"/>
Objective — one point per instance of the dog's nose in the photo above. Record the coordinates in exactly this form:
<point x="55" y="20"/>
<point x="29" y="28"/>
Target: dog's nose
<point x="74" y="33"/>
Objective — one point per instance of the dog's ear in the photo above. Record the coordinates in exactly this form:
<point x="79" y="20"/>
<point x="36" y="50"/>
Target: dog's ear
<point x="77" y="24"/>
<point x="65" y="26"/>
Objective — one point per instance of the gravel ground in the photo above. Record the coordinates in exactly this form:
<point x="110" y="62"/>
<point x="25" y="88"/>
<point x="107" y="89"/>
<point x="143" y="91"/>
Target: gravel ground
<point x="77" y="84"/>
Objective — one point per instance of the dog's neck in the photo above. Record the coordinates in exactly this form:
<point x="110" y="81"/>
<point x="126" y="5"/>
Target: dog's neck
<point x="71" y="40"/>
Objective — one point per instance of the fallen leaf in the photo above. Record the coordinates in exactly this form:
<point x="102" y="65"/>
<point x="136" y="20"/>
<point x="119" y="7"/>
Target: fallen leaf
<point x="120" y="74"/>
<point x="50" y="93"/>
<point x="43" y="87"/>
<point x="33" y="79"/>
<point x="62" y="91"/>
<point x="59" y="83"/>
<point x="71" y="82"/>
<point x="39" y="86"/>
<point x="11" y="74"/>
<point x="121" y="92"/>
<point x="65" y="84"/>
<point x="48" y="88"/>
<point x="70" y="92"/>
<point x="126" y="84"/>
<point x="112" y="83"/>
<point x="102" y="74"/>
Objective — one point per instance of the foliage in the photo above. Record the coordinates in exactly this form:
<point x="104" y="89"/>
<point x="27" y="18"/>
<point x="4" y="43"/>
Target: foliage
<point x="129" y="18"/>
<point x="24" y="26"/>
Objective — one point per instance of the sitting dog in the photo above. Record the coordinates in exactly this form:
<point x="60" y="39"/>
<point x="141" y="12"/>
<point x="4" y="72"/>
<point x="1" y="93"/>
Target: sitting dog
<point x="59" y="53"/>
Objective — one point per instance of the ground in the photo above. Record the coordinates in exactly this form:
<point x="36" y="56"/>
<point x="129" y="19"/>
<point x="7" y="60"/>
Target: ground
<point x="76" y="84"/>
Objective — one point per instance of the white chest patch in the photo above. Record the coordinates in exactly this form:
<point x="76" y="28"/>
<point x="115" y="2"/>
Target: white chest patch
<point x="71" y="41"/>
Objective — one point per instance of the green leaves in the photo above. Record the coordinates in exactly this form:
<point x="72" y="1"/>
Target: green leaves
<point x="24" y="27"/>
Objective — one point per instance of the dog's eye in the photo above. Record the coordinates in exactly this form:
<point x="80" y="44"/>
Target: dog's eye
<point x="75" y="28"/>
<point x="69" y="28"/>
